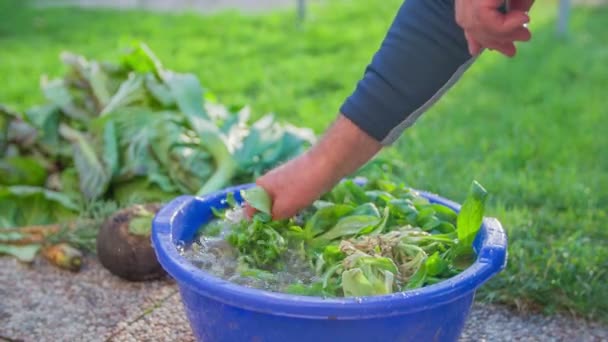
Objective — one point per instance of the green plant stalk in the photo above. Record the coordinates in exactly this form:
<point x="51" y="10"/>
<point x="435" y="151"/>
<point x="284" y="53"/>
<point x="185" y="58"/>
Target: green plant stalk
<point x="226" y="166"/>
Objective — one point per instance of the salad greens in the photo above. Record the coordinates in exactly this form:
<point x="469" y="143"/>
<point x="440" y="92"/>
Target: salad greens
<point x="364" y="239"/>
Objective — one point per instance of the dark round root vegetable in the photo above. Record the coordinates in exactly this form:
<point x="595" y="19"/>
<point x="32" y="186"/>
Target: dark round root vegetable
<point x="124" y="247"/>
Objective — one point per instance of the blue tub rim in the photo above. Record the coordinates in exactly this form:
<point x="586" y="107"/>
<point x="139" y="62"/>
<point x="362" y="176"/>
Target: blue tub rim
<point x="490" y="247"/>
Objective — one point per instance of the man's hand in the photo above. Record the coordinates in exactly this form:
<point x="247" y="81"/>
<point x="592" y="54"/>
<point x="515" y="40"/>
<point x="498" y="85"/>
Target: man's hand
<point x="486" y="27"/>
<point x="298" y="183"/>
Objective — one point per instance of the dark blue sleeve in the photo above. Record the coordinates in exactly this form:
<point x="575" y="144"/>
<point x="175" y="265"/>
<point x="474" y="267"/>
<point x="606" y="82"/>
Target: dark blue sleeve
<point x="422" y="56"/>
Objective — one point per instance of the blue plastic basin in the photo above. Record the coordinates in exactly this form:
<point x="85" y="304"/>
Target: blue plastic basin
<point x="222" y="311"/>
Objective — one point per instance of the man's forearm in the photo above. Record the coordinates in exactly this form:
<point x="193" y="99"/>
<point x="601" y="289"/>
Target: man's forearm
<point x="299" y="182"/>
<point x="342" y="150"/>
<point x="422" y="55"/>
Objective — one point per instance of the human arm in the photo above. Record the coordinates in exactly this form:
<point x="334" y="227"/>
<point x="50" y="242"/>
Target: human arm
<point x="294" y="185"/>
<point x="421" y="57"/>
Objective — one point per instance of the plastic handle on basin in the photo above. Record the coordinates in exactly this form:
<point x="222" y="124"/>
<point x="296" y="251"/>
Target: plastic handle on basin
<point x="492" y="256"/>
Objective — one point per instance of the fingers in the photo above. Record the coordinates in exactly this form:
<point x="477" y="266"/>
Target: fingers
<point x="507" y="49"/>
<point x="485" y="27"/>
<point x="474" y="46"/>
<point x="521" y="34"/>
<point x="521" y="5"/>
<point x="281" y="211"/>
<point x="249" y="210"/>
<point x="513" y="21"/>
<point x="494" y="23"/>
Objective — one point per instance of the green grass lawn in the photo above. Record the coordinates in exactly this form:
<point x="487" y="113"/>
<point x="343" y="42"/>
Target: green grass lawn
<point x="532" y="129"/>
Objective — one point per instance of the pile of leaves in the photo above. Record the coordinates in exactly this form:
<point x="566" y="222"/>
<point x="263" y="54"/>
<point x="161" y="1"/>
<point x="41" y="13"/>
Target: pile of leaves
<point x="365" y="239"/>
<point x="128" y="131"/>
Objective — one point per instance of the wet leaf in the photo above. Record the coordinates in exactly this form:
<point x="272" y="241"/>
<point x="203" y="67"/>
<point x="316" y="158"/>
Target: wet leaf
<point x="325" y="218"/>
<point x="471" y="214"/>
<point x="350" y="225"/>
<point x="258" y="198"/>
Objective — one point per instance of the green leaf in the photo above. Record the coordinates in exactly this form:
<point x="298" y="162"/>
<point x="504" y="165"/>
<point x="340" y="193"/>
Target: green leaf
<point x="268" y="144"/>
<point x="325" y="218"/>
<point x="187" y="92"/>
<point x="356" y="284"/>
<point x="160" y="91"/>
<point x="139" y="130"/>
<point x="94" y="178"/>
<point x="11" y="236"/>
<point x="29" y="205"/>
<point x="22" y="171"/>
<point x="131" y="92"/>
<point x="315" y="289"/>
<point x="418" y="279"/>
<point x="444" y="213"/>
<point x="379" y="196"/>
<point x="141" y="223"/>
<point x="57" y="92"/>
<point x="180" y="156"/>
<point x="98" y="81"/>
<point x="70" y="185"/>
<point x="348" y="192"/>
<point x="256" y="273"/>
<point x="377" y="229"/>
<point x="139" y="57"/>
<point x="435" y="265"/>
<point x="404" y="208"/>
<point x="4" y="124"/>
<point x="140" y="190"/>
<point x="91" y="75"/>
<point x="333" y="255"/>
<point x="471" y="214"/>
<point x="367" y="209"/>
<point x="350" y="225"/>
<point x="258" y="198"/>
<point x="46" y="120"/>
<point x="368" y="276"/>
<point x="444" y="228"/>
<point x="110" y="149"/>
<point x="463" y="256"/>
<point x="258" y="242"/>
<point x="25" y="253"/>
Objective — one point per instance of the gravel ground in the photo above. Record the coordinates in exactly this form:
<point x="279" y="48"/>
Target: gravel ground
<point x="42" y="303"/>
<point x="490" y="323"/>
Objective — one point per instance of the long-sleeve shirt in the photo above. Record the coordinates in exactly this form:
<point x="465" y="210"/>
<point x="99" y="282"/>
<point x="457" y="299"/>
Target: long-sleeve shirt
<point x="423" y="54"/>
